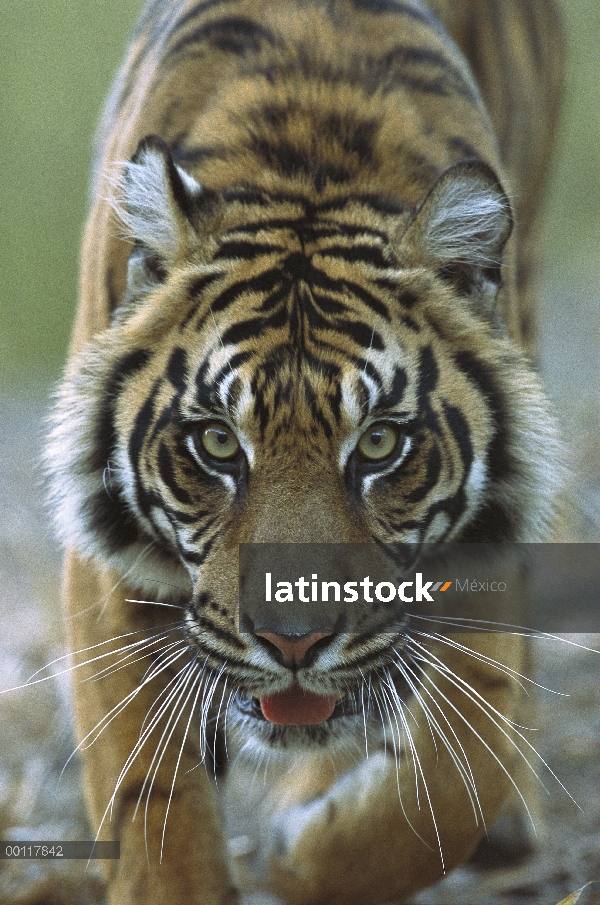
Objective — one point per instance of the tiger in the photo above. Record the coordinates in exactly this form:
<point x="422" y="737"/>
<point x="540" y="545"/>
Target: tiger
<point x="307" y="315"/>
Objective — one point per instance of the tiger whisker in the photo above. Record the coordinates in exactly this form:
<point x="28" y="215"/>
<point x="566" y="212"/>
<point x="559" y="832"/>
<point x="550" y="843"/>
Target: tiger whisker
<point x="130" y="658"/>
<point x="492" y="662"/>
<point x="205" y="707"/>
<point x="167" y="707"/>
<point x="412" y="750"/>
<point x="398" y="712"/>
<point x="369" y="350"/>
<point x="393" y="714"/>
<point x="416" y="688"/>
<point x="105" y="600"/>
<point x="519" y="678"/>
<point x="101" y="725"/>
<point x="419" y="767"/>
<point x="508" y="628"/>
<point x="133" y="754"/>
<point x="463" y="767"/>
<point x="231" y="694"/>
<point x="215" y="720"/>
<point x="183" y="741"/>
<point x="179" y="683"/>
<point x="373" y="695"/>
<point x="217" y="725"/>
<point x="165" y="695"/>
<point x="157" y="668"/>
<point x="168" y="584"/>
<point x="364" y="710"/>
<point x="477" y="735"/>
<point x="174" y="606"/>
<point x="494" y="716"/>
<point x="32" y="681"/>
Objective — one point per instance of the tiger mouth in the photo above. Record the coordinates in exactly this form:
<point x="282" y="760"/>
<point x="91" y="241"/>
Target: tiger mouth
<point x="250" y="706"/>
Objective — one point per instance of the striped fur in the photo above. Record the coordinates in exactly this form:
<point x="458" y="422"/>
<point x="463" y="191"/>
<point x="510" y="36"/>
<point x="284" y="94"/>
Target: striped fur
<point x="302" y="228"/>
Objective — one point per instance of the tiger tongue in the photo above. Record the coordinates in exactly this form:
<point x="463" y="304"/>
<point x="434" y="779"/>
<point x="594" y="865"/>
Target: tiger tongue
<point x="296" y="707"/>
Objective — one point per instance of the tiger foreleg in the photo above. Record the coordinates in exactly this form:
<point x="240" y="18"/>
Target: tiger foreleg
<point x="394" y="825"/>
<point x="142" y="786"/>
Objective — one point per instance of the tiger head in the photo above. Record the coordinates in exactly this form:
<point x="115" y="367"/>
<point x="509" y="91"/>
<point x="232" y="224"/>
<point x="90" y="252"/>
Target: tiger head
<point x="291" y="371"/>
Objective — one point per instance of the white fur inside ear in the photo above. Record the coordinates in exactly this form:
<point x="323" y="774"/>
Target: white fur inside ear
<point x="148" y="209"/>
<point x="468" y="223"/>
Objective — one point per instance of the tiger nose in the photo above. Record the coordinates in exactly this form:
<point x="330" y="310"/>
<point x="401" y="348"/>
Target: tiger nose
<point x="293" y="647"/>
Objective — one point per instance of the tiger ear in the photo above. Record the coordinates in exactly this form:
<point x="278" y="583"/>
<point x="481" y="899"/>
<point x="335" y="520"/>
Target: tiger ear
<point x="461" y="229"/>
<point x="159" y="202"/>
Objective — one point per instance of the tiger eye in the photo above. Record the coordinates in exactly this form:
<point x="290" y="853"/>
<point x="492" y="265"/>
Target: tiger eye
<point x="219" y="441"/>
<point x="378" y="442"/>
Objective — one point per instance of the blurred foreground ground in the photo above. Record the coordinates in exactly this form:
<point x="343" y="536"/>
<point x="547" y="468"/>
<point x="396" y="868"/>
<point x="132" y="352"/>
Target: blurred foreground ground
<point x="36" y="739"/>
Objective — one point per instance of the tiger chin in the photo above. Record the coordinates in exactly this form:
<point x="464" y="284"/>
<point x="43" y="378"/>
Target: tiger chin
<point x="306" y="316"/>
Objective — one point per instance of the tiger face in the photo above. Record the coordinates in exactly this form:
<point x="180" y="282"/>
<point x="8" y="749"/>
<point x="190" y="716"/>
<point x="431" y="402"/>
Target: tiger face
<point x="330" y="372"/>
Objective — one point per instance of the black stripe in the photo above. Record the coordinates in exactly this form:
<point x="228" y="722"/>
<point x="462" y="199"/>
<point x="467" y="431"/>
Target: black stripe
<point x="334" y="398"/>
<point x="254" y="327"/>
<point x="276" y="297"/>
<point x="246" y="250"/>
<point x="252" y="195"/>
<point x="199" y="558"/>
<point x="199" y="284"/>
<point x="356" y="137"/>
<point x="404" y="297"/>
<point x="500" y="462"/>
<point x="234" y="362"/>
<point x="459" y="427"/>
<point x="465" y="150"/>
<point x="182" y="196"/>
<point x="105" y="438"/>
<point x="362" y="334"/>
<point x="197" y="535"/>
<point x="263" y="282"/>
<point x="245" y="330"/>
<point x="206" y="394"/>
<point x="110" y="519"/>
<point x="177" y="369"/>
<point x="136" y="444"/>
<point x="406" y="54"/>
<point x="194" y="13"/>
<point x="363" y="254"/>
<point x="396" y="394"/>
<point x="233" y="34"/>
<point x="201" y="604"/>
<point x="187" y="157"/>
<point x="367" y="298"/>
<point x="169" y="477"/>
<point x="428" y="377"/>
<point x="196" y="290"/>
<point x="381" y="204"/>
<point x="186" y="518"/>
<point x="311" y="230"/>
<point x="432" y="475"/>
<point x="328" y="305"/>
<point x="290" y="161"/>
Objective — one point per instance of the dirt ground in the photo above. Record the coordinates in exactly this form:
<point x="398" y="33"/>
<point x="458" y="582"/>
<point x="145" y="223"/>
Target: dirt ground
<point x="41" y="800"/>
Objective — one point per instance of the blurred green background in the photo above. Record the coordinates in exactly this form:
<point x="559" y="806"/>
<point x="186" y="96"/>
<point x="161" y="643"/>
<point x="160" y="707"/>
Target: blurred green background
<point x="58" y="59"/>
